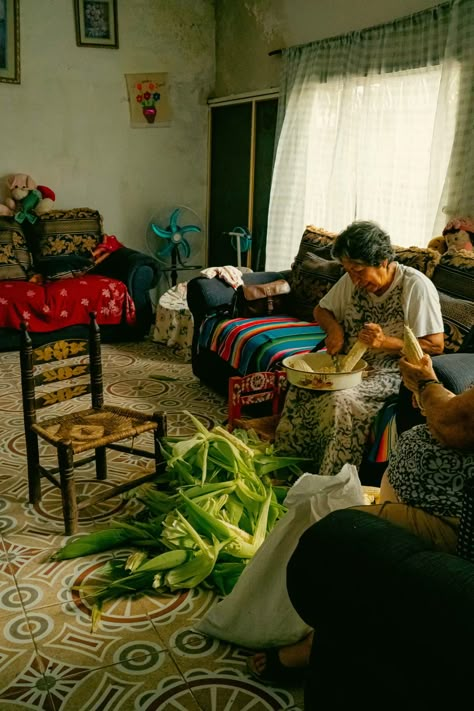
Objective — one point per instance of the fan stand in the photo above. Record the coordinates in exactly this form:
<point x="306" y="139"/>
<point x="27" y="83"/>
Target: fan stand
<point x="178" y="266"/>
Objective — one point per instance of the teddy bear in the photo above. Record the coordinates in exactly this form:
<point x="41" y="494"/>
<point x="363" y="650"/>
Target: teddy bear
<point x="458" y="234"/>
<point x="28" y="200"/>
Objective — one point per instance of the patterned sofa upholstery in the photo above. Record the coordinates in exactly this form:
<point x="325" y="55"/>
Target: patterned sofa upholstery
<point x="224" y="346"/>
<point x="54" y="272"/>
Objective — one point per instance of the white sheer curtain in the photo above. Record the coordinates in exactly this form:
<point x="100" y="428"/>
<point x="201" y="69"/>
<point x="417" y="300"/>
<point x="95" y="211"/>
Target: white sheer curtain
<point x="374" y="126"/>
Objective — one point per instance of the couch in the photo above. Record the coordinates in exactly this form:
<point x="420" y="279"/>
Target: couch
<point x="225" y="346"/>
<point x="54" y="272"/>
<point x="392" y="617"/>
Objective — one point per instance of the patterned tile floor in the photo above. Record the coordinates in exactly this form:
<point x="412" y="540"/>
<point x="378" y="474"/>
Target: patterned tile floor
<point x="145" y="654"/>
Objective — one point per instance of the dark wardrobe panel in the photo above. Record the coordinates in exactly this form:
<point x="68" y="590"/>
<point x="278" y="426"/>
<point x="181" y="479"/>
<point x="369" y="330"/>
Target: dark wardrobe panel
<point x="230" y="176"/>
<point x="240" y="191"/>
<point x="265" y="141"/>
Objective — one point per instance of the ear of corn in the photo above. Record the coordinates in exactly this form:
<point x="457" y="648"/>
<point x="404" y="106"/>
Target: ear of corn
<point x="412" y="350"/>
<point x="353" y="357"/>
<point x="94" y="543"/>
<point x="301" y="364"/>
<point x="411" y="346"/>
<point x="214" y="514"/>
<point x="194" y="571"/>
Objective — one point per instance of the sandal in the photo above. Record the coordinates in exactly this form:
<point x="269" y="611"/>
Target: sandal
<point x="275" y="672"/>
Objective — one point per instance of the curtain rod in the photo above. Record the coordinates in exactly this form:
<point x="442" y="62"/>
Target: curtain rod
<point x="371" y="27"/>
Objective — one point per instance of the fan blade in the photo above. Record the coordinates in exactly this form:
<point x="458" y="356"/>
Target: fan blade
<point x="184" y="246"/>
<point x="174" y="221"/>
<point x="160" y="232"/>
<point x="190" y="228"/>
<point x="166" y="250"/>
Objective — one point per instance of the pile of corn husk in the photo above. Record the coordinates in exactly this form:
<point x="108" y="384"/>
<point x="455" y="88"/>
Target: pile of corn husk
<point x="202" y="520"/>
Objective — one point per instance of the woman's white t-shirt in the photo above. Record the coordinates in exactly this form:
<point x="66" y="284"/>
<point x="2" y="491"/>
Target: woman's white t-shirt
<point x="419" y="297"/>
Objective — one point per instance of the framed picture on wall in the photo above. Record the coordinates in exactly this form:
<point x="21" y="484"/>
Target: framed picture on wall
<point x="148" y="95"/>
<point x="9" y="41"/>
<point x="96" y="23"/>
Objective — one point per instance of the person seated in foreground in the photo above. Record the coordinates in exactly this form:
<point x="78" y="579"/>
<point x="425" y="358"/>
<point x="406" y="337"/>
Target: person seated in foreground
<point x="422" y="489"/>
<point x="371" y="302"/>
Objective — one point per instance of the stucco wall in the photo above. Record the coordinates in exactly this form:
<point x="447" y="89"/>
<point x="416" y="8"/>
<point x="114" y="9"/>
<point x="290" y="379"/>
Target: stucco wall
<point x="67" y="123"/>
<point x="246" y="30"/>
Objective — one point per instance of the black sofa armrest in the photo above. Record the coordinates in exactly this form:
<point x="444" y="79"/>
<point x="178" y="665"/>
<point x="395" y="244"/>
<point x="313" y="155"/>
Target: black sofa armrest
<point x="139" y="273"/>
<point x="392" y="604"/>
<point x="456" y="372"/>
<point x="208" y="296"/>
<point x="126" y="264"/>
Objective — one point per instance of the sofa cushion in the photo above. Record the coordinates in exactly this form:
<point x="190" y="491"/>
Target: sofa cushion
<point x="317" y="241"/>
<point x="421" y="258"/>
<point x="58" y="304"/>
<point x="253" y="345"/>
<point x="15" y="258"/>
<point x="68" y="232"/>
<point x="63" y="266"/>
<point x="458" y="319"/>
<point x="310" y="280"/>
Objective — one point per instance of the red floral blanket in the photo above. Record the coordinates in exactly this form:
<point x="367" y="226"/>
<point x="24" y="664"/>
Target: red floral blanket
<point x="66" y="302"/>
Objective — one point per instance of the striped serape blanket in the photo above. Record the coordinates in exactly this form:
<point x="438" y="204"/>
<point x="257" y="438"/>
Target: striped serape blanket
<point x="253" y="345"/>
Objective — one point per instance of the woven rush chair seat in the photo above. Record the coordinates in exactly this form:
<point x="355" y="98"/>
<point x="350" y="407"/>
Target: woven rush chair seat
<point x="77" y="366"/>
<point x="254" y="390"/>
<point x="92" y="428"/>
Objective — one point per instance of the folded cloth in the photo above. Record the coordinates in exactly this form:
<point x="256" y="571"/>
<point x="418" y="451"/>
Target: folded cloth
<point x="231" y="275"/>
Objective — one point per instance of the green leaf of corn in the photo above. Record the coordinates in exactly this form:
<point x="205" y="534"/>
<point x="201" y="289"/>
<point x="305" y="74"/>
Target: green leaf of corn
<point x="94" y="543"/>
<point x="196" y="570"/>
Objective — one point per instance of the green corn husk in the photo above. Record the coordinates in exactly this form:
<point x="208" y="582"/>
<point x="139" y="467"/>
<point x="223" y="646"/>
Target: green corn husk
<point x="196" y="570"/>
<point x="175" y="534"/>
<point x="134" y="561"/>
<point x="205" y="523"/>
<point x="214" y="506"/>
<point x="93" y="543"/>
<point x="225" y="575"/>
<point x="140" y="581"/>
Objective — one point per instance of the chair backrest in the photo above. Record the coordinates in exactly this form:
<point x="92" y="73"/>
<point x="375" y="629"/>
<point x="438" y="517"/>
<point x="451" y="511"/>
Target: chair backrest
<point x="71" y="360"/>
<point x="254" y="389"/>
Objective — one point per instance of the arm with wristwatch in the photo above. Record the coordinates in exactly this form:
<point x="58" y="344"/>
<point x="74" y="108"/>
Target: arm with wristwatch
<point x="449" y="417"/>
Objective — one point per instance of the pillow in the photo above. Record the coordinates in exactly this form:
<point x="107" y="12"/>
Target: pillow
<point x="454" y="274"/>
<point x="15" y="258"/>
<point x="317" y="241"/>
<point x="421" y="258"/>
<point x="458" y="319"/>
<point x="310" y="280"/>
<point x="63" y="266"/>
<point x="462" y="259"/>
<point x="68" y="232"/>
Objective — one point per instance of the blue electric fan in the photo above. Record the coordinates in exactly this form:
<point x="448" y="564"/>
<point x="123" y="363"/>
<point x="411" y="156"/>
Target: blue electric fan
<point x="241" y="240"/>
<point x="173" y="236"/>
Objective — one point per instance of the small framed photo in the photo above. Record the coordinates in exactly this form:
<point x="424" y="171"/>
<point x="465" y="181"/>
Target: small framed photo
<point x="96" y="23"/>
<point x="10" y="41"/>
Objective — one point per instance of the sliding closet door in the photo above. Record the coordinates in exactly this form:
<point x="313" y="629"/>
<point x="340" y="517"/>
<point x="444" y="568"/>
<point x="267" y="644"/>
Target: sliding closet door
<point x="242" y="143"/>
<point x="265" y="119"/>
<point x="230" y="178"/>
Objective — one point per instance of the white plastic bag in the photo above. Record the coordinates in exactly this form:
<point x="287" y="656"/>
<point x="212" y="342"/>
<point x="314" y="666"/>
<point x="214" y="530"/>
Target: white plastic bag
<point x="258" y="612"/>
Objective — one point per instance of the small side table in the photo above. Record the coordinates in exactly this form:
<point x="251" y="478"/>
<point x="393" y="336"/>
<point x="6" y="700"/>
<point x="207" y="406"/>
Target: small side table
<point x="174" y="321"/>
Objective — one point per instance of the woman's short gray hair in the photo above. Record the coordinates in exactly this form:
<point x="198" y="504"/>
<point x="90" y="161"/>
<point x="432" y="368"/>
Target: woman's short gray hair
<point x="364" y="242"/>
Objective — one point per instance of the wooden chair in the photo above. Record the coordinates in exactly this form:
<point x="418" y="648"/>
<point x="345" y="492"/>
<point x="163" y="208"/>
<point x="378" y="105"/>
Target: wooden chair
<point x="250" y="391"/>
<point x="97" y="427"/>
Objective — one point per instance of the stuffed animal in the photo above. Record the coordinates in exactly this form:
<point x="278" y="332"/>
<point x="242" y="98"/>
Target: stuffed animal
<point x="458" y="234"/>
<point x="28" y="200"/>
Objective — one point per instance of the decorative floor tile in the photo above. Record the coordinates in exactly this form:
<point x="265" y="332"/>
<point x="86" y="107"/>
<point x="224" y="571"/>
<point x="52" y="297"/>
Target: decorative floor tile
<point x="144" y="654"/>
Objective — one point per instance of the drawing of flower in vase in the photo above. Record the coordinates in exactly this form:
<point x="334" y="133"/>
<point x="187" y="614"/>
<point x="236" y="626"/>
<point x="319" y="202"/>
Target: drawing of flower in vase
<point x="147" y="98"/>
